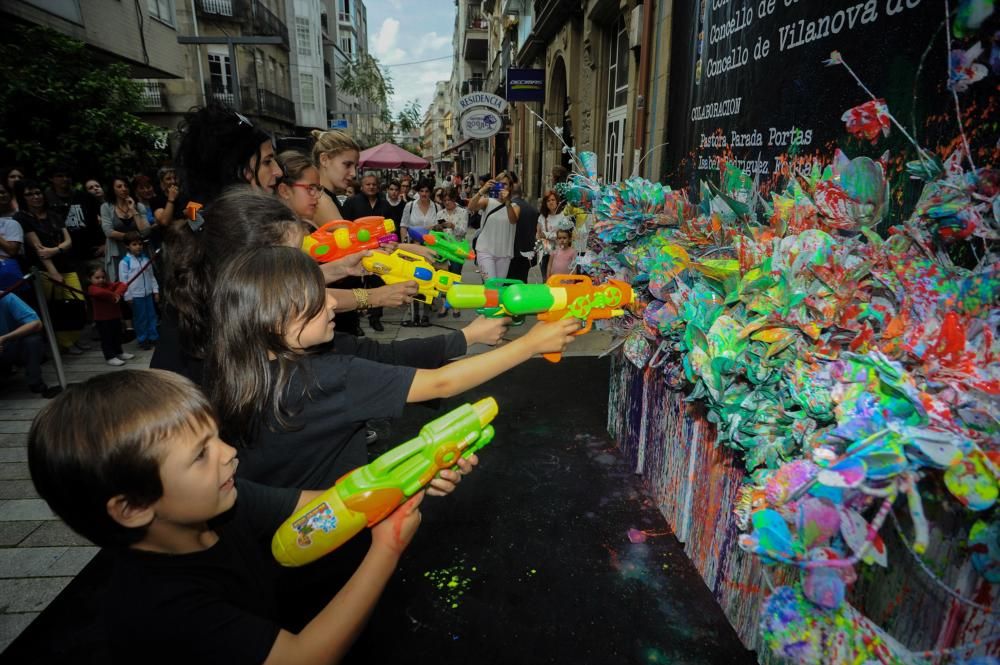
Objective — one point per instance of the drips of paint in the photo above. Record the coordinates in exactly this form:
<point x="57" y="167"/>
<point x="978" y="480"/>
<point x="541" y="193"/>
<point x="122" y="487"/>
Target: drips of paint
<point x="451" y="582"/>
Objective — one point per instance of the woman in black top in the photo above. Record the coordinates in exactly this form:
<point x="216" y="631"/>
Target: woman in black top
<point x="48" y="243"/>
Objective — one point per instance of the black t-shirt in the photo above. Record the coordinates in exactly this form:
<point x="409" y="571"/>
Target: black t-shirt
<point x="331" y="395"/>
<point x="527" y="223"/>
<point x="160" y="201"/>
<point x="395" y="212"/>
<point x="50" y="234"/>
<point x="218" y="605"/>
<point x="358" y="206"/>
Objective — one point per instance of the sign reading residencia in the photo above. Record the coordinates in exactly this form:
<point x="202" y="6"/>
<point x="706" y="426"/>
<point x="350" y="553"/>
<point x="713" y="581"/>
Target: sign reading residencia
<point x="482" y="99"/>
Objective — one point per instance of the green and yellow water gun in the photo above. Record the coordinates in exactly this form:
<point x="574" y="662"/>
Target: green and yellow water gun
<point x="369" y="494"/>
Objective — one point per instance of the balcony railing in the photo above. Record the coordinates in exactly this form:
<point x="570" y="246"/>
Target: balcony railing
<point x="344" y="17"/>
<point x="223" y="9"/>
<point x="267" y="103"/>
<point x="476" y="20"/>
<point x="151" y="95"/>
<point x="220" y="95"/>
<point x="266" y="22"/>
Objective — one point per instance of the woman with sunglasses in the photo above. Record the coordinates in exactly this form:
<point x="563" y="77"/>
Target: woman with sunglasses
<point x="220" y="147"/>
<point x="48" y="244"/>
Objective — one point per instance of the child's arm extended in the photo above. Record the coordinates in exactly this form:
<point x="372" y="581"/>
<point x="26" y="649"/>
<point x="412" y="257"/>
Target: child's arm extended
<point x="469" y="372"/>
<point x="330" y="634"/>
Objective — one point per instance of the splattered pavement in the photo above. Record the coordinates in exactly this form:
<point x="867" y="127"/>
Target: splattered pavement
<point x="551" y="552"/>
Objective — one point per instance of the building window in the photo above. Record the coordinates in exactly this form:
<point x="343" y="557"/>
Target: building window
<point x="308" y="91"/>
<point x="614" y="140"/>
<point x="162" y="9"/>
<point x="303" y="36"/>
<point x="347" y="45"/>
<point x="220" y="72"/>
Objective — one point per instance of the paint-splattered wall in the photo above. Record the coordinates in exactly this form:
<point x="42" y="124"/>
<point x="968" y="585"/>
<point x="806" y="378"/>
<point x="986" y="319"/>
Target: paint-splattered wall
<point x="695" y="484"/>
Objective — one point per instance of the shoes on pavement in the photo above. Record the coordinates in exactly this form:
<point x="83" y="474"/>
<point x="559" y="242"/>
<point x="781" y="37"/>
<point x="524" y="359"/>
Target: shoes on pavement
<point x="125" y="356"/>
<point x="71" y="351"/>
<point x="456" y="313"/>
<point x="115" y="362"/>
<point x="424" y="322"/>
<point x="83" y="346"/>
<point x="376" y="324"/>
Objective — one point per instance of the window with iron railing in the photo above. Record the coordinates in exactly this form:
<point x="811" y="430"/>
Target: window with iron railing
<point x="151" y="94"/>
<point x="219" y="7"/>
<point x="476" y="20"/>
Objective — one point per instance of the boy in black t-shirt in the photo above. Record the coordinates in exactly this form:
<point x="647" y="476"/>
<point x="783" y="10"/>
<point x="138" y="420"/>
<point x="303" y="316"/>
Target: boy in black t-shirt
<point x="194" y="580"/>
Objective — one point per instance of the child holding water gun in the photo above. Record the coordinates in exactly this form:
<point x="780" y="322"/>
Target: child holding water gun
<point x="193" y="577"/>
<point x="300" y="413"/>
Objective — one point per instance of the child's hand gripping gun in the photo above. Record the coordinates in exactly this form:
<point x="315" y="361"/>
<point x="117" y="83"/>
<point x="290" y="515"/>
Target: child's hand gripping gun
<point x="444" y="245"/>
<point x="484" y="298"/>
<point x="337" y="239"/>
<point x="562" y="296"/>
<point x="369" y="494"/>
<point x="403" y="266"/>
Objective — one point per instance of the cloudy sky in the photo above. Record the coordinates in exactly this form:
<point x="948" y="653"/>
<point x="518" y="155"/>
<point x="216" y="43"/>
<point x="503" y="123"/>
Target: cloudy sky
<point x="404" y="31"/>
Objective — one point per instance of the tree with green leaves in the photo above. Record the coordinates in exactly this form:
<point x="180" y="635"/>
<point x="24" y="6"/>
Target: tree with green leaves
<point x="59" y="104"/>
<point x="365" y="78"/>
<point x="409" y="118"/>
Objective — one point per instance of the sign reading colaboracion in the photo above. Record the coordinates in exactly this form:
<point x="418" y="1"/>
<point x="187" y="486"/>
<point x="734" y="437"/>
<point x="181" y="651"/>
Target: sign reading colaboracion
<point x="749" y="84"/>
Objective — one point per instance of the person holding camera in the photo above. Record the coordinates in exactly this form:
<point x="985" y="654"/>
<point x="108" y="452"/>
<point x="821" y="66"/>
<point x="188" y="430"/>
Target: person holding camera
<point x="495" y="242"/>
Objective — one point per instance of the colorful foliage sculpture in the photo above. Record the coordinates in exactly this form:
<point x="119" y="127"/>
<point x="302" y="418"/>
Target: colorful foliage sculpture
<point x="847" y="368"/>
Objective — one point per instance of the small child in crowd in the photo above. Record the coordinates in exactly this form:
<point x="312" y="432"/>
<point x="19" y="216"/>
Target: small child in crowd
<point x="562" y="259"/>
<point x="193" y="578"/>
<point x="143" y="291"/>
<point x="104" y="297"/>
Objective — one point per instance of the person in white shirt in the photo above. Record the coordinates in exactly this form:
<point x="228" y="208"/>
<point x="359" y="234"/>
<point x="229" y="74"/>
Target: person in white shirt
<point x="495" y="242"/>
<point x="453" y="219"/>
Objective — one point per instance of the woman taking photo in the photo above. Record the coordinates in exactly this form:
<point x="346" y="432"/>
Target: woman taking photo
<point x="48" y="244"/>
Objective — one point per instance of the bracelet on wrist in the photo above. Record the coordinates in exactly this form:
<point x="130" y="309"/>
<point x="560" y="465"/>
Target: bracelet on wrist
<point x="361" y="296"/>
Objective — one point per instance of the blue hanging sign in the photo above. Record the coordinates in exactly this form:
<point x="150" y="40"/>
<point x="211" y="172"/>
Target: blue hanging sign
<point x="525" y="85"/>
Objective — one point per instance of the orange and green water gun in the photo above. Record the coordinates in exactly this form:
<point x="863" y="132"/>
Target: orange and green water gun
<point x="561" y="297"/>
<point x="337" y="239"/>
<point x="369" y="494"/>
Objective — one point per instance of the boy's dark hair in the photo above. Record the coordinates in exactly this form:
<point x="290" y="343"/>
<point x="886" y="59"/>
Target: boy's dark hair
<point x="131" y="237"/>
<point x="85" y="449"/>
<point x="238" y="220"/>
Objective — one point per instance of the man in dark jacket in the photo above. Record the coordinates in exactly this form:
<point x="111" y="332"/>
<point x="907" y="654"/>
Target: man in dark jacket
<point x="524" y="234"/>
<point x="366" y="203"/>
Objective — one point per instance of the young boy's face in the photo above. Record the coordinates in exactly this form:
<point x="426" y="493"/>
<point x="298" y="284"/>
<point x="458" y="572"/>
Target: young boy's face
<point x="197" y="474"/>
<point x="99" y="278"/>
<point x="135" y="247"/>
<point x="318" y="330"/>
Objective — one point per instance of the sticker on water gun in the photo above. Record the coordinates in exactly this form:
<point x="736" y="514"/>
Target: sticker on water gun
<point x="320" y="518"/>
